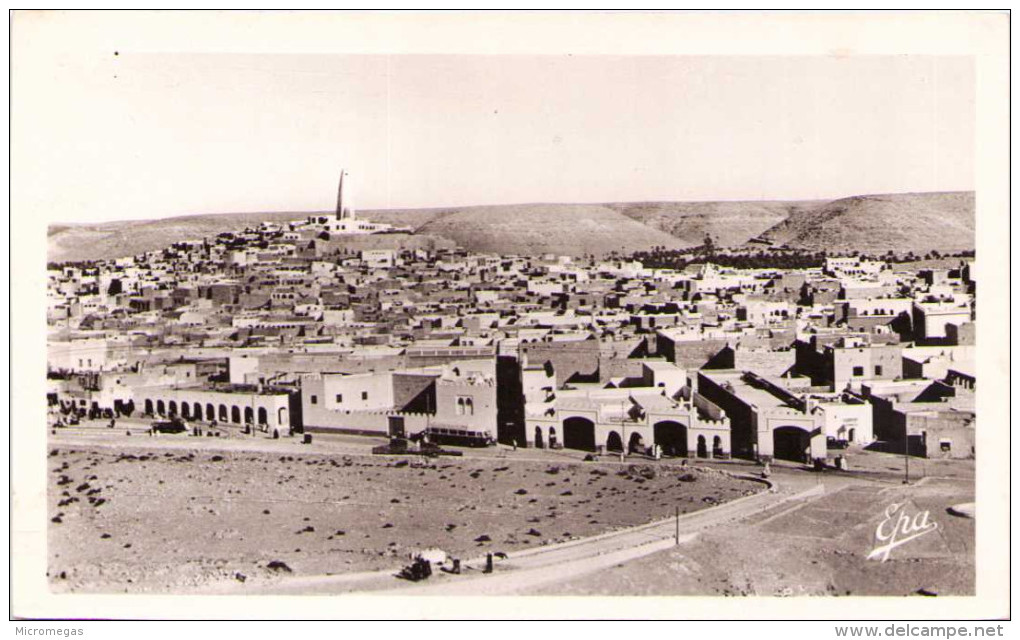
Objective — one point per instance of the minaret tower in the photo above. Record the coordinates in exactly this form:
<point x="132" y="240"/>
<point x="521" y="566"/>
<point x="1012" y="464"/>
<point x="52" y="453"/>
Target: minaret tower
<point x="344" y="210"/>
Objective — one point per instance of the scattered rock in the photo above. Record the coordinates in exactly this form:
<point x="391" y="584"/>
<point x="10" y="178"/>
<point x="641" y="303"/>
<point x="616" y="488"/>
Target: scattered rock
<point x="278" y="565"/>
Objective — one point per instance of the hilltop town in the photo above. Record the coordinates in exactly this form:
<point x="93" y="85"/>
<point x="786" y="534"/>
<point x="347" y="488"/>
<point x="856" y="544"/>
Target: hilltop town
<point x="331" y="329"/>
<point x="286" y="328"/>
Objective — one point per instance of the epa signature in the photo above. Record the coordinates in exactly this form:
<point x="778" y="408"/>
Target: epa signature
<point x="899" y="528"/>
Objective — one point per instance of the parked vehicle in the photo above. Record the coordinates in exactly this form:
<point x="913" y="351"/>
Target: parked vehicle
<point x="834" y="443"/>
<point x="457" y="437"/>
<point x="173" y="425"/>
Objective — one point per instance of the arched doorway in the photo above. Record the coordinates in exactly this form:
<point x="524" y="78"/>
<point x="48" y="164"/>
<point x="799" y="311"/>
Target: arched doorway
<point x="791" y="443"/>
<point x="636" y="443"/>
<point x="552" y="437"/>
<point x="185" y="411"/>
<point x="671" y="437"/>
<point x="210" y="412"/>
<point x="702" y="447"/>
<point x="223" y="413"/>
<point x="262" y="416"/>
<point x="235" y="415"/>
<point x="539" y="441"/>
<point x="249" y="415"/>
<point x="160" y="407"/>
<point x="281" y="416"/>
<point x="148" y="406"/>
<point x="614" y="442"/>
<point x="579" y="433"/>
<point x="717" y="450"/>
<point x="172" y="408"/>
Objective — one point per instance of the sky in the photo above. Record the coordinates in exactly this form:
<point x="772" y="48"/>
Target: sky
<point x="109" y="135"/>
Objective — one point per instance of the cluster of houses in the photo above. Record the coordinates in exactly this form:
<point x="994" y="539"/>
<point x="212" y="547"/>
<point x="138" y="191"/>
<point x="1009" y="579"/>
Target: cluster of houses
<point x="308" y="327"/>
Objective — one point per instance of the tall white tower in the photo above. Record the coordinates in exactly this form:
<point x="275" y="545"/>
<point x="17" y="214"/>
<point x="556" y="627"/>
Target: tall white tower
<point x="344" y="197"/>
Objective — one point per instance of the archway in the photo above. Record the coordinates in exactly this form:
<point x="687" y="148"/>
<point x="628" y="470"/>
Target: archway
<point x="614" y="442"/>
<point x="671" y="437"/>
<point x="552" y="437"/>
<point x="539" y="442"/>
<point x="263" y="419"/>
<point x="717" y="450"/>
<point x="636" y="444"/>
<point x="281" y="416"/>
<point x="249" y="415"/>
<point x="148" y="406"/>
<point x="160" y="407"/>
<point x="702" y="447"/>
<point x="210" y="412"/>
<point x="172" y="408"/>
<point x="185" y="411"/>
<point x="579" y="433"/>
<point x="223" y="413"/>
<point x="791" y="443"/>
<point x="235" y="415"/>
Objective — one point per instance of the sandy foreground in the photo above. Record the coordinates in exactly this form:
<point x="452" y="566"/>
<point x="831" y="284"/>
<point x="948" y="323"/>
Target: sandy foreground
<point x="181" y="520"/>
<point x="819" y="547"/>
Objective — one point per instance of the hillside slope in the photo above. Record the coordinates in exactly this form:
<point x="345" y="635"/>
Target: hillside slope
<point x="729" y="223"/>
<point x="918" y="222"/>
<point x="569" y="229"/>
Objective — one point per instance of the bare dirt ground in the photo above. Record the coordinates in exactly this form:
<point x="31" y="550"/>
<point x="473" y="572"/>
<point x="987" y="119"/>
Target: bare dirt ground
<point x="176" y="515"/>
<point x="820" y="547"/>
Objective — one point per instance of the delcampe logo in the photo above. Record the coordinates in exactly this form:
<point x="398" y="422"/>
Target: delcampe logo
<point x="898" y="528"/>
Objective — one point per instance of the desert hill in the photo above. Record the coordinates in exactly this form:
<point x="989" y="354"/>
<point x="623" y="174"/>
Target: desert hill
<point x="729" y="223"/>
<point x="917" y="222"/>
<point x="570" y="229"/>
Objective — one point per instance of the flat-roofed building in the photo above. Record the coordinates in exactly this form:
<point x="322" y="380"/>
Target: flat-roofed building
<point x="766" y="420"/>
